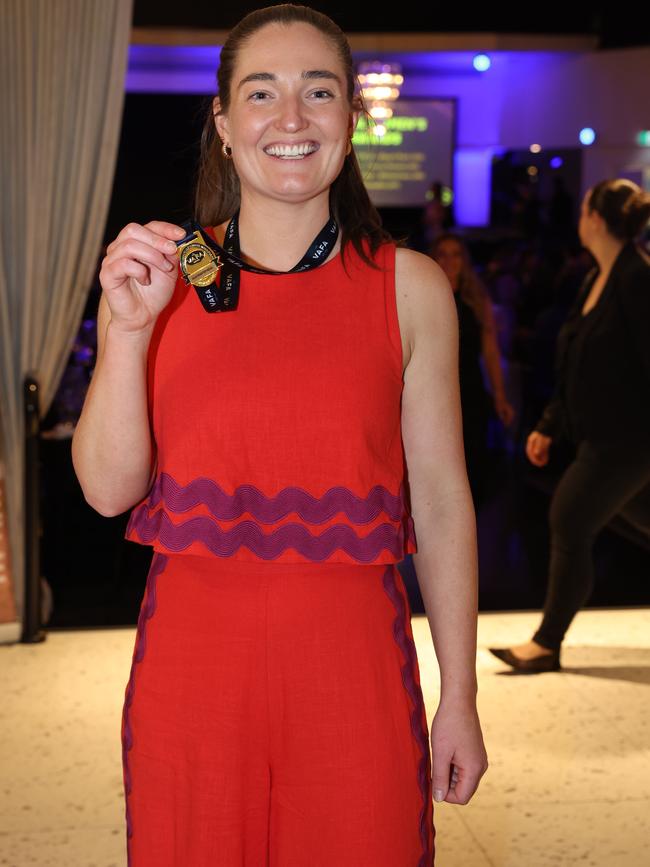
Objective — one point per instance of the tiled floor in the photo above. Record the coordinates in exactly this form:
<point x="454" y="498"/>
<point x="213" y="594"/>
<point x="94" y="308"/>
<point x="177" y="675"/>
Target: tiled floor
<point x="569" y="752"/>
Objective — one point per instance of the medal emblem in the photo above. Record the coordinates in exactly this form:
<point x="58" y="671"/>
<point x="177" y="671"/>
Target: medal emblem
<point x="199" y="263"/>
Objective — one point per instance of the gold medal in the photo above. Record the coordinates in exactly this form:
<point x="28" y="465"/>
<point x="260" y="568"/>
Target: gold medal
<point x="199" y="263"/>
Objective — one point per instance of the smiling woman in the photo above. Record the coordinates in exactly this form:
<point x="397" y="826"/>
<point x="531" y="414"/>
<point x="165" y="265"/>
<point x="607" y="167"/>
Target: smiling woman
<point x="280" y="457"/>
<point x="282" y="74"/>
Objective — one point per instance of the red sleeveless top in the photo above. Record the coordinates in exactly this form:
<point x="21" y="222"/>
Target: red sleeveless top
<point x="277" y="425"/>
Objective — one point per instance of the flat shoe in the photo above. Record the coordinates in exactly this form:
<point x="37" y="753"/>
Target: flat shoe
<point x="546" y="662"/>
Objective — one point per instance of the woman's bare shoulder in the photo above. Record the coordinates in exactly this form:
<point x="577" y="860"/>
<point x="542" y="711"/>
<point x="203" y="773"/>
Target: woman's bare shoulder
<point x="424" y="298"/>
<point x="418" y="273"/>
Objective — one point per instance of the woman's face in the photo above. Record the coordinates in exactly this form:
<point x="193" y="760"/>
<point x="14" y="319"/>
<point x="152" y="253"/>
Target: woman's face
<point x="289" y="121"/>
<point x="590" y="224"/>
<point x="450" y="258"/>
<point x="583" y="222"/>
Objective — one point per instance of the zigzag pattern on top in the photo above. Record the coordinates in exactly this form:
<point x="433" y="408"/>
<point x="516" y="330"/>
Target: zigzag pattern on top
<point x="268" y="546"/>
<point x="269" y="510"/>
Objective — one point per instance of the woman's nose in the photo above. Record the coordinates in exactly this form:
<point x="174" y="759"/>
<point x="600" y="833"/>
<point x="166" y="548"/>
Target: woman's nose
<point x="291" y="114"/>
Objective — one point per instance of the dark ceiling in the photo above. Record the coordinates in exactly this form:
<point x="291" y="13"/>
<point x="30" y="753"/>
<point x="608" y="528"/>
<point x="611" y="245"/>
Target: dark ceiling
<point x="614" y="26"/>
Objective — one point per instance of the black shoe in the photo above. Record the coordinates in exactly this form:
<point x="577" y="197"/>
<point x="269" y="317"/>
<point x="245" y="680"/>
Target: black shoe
<point x="546" y="662"/>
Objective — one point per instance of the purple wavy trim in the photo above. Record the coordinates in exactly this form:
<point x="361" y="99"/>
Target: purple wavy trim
<point x="407" y="646"/>
<point x="268" y="546"/>
<point x="270" y="510"/>
<point x="147" y="610"/>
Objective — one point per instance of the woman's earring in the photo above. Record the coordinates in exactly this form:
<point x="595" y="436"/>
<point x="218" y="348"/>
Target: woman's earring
<point x="349" y="148"/>
<point x="227" y="151"/>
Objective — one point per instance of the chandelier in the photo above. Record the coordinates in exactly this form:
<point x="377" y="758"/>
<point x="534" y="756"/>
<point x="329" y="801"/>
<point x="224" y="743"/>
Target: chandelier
<point x="380" y="86"/>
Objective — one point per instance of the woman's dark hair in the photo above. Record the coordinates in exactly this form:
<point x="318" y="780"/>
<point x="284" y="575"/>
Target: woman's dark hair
<point x="623" y="205"/>
<point x="217" y="194"/>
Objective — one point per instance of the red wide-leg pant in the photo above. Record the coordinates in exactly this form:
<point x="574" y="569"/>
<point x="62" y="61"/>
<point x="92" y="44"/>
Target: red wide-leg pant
<point x="274" y="718"/>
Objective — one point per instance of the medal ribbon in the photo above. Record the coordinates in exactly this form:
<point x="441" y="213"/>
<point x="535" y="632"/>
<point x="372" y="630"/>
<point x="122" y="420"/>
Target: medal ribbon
<point x="229" y="265"/>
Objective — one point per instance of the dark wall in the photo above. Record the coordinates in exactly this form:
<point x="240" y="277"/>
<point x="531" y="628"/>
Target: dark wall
<point x="612" y="28"/>
<point x="157" y="158"/>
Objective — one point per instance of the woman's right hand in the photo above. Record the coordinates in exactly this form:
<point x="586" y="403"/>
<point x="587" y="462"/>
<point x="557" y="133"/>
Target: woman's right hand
<point x="537" y="448"/>
<point x="139" y="273"/>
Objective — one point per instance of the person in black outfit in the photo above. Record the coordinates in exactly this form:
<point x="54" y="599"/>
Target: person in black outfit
<point x="601" y="404"/>
<point x="477" y="343"/>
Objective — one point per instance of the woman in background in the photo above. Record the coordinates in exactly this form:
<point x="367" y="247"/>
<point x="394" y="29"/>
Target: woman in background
<point x="602" y="405"/>
<point x="478" y="341"/>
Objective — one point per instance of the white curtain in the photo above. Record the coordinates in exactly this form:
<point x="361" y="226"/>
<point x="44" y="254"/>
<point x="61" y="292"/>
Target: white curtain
<point x="62" y="68"/>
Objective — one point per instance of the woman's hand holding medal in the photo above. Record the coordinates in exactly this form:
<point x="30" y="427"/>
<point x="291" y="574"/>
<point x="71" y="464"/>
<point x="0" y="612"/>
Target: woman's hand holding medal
<point x="139" y="273"/>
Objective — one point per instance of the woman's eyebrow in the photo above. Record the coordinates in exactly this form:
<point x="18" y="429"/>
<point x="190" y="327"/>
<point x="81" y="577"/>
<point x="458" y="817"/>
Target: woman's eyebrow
<point x="308" y="75"/>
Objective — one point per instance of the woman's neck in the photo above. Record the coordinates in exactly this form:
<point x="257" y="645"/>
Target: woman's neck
<point x="605" y="251"/>
<point x="276" y="235"/>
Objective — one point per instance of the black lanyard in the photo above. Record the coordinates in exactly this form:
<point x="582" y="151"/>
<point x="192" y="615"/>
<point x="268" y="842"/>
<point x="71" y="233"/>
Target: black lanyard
<point x="228" y="264"/>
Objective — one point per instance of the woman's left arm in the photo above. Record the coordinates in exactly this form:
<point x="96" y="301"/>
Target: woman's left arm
<point x="443" y="516"/>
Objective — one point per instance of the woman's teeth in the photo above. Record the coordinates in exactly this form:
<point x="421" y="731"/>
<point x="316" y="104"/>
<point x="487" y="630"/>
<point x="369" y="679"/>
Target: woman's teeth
<point x="291" y="152"/>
